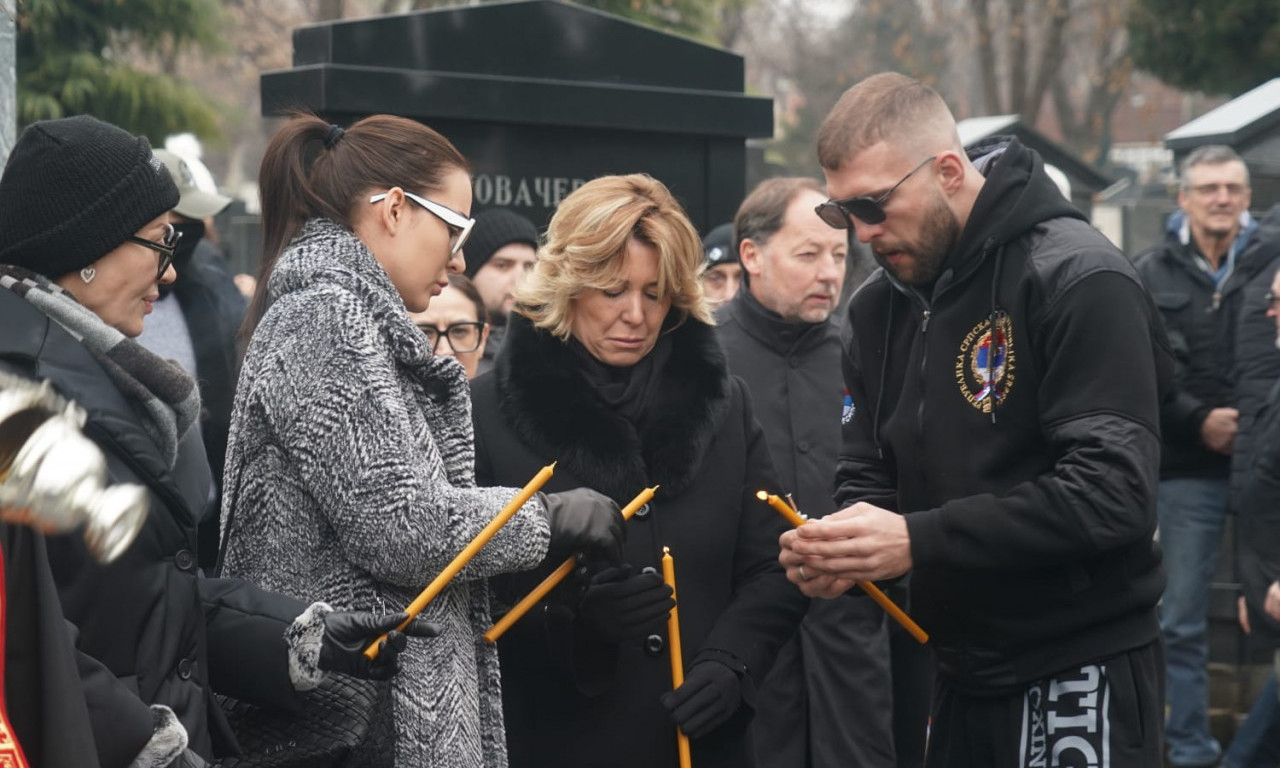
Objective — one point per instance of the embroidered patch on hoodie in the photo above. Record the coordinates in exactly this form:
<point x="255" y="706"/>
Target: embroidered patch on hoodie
<point x="985" y="364"/>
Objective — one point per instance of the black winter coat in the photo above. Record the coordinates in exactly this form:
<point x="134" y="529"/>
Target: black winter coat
<point x="213" y="308"/>
<point x="1012" y="415"/>
<point x="1201" y="321"/>
<point x="1257" y="361"/>
<point x="794" y="370"/>
<point x="168" y="634"/>
<point x="703" y="446"/>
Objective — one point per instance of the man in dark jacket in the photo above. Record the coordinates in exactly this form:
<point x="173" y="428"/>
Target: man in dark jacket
<point x="782" y="341"/>
<point x="1197" y="277"/>
<point x="1002" y="442"/>
<point x="195" y="322"/>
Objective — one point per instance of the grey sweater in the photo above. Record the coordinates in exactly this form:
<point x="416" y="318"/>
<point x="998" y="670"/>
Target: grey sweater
<point x="350" y="477"/>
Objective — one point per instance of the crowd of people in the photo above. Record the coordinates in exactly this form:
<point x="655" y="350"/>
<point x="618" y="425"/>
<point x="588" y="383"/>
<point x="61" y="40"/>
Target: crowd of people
<point x="1028" y="440"/>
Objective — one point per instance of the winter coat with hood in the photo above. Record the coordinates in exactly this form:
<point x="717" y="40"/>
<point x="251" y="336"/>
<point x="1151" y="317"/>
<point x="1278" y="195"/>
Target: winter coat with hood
<point x="350" y="477"/>
<point x="588" y="704"/>
<point x="1201" y="319"/>
<point x="1011" y="414"/>
<point x="156" y="631"/>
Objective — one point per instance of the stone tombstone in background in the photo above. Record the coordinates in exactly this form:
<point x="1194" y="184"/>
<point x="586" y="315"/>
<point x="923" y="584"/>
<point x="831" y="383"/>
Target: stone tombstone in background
<point x="540" y="96"/>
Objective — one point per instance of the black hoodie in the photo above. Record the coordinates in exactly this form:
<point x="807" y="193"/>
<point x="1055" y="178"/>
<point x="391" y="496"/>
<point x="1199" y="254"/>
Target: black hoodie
<point x="1027" y="476"/>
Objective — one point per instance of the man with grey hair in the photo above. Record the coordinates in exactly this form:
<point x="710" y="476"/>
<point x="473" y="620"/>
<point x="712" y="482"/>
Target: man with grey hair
<point x="780" y="337"/>
<point x="1197" y="276"/>
<point x="1001" y="443"/>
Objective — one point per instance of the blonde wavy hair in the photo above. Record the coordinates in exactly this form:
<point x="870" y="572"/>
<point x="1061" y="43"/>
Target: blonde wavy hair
<point x="585" y="243"/>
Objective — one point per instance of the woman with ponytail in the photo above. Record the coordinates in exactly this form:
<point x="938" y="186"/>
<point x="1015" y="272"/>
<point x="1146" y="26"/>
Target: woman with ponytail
<point x="349" y="469"/>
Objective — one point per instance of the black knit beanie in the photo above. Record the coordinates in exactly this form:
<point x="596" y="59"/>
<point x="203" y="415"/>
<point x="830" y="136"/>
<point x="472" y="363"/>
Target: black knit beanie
<point x="495" y="228"/>
<point x="73" y="190"/>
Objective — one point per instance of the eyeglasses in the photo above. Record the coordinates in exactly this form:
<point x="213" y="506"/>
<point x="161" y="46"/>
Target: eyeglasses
<point x="459" y="225"/>
<point x="166" y="247"/>
<point x="1272" y="301"/>
<point x="1211" y="190"/>
<point x="870" y="210"/>
<point x="461" y="337"/>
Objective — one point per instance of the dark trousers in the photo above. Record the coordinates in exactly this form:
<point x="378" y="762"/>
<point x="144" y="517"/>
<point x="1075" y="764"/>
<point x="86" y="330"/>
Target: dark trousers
<point x="913" y="673"/>
<point x="827" y="701"/>
<point x="1097" y="716"/>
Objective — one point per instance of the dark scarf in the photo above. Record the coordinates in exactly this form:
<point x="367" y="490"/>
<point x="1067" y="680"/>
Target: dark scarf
<point x="550" y="398"/>
<point x="624" y="390"/>
<point x="163" y="395"/>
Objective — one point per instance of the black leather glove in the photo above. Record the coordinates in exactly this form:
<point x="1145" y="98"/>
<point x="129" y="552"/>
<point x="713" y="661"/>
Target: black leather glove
<point x="348" y="633"/>
<point x="617" y="606"/>
<point x="585" y="521"/>
<point x="710" y="695"/>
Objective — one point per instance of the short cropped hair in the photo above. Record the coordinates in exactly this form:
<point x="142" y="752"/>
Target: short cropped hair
<point x="585" y="242"/>
<point x="884" y="107"/>
<point x="761" y="215"/>
<point x="1209" y="154"/>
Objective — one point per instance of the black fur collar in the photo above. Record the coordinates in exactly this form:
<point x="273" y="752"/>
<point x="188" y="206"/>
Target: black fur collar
<point x="552" y="409"/>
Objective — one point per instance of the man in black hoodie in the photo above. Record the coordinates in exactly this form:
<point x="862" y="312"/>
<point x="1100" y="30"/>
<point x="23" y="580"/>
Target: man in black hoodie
<point x="1003" y="440"/>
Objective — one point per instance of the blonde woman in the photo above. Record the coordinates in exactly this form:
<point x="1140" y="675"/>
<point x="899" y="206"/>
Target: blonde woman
<point x="611" y="365"/>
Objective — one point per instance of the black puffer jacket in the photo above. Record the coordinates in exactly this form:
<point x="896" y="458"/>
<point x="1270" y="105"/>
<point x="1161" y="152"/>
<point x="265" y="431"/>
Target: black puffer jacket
<point x="1201" y="321"/>
<point x="1030" y="517"/>
<point x="165" y="632"/>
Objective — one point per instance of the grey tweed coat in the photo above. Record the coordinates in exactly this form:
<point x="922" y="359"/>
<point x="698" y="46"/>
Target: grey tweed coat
<point x="350" y="478"/>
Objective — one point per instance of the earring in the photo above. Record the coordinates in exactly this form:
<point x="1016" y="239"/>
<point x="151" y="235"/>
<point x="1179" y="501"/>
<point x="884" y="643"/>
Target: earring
<point x="87" y="274"/>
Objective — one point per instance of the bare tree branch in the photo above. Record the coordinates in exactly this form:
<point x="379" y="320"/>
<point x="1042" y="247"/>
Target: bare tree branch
<point x="1052" y="51"/>
<point x="1017" y="58"/>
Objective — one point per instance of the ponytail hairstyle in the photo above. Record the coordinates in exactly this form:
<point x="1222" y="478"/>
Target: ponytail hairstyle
<point x="312" y="169"/>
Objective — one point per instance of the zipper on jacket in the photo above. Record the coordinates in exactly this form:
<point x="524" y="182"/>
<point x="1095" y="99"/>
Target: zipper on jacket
<point x="1217" y="301"/>
<point x="924" y="360"/>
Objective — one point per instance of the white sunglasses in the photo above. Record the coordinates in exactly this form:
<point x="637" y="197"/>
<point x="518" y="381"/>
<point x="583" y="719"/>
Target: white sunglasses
<point x="459" y="225"/>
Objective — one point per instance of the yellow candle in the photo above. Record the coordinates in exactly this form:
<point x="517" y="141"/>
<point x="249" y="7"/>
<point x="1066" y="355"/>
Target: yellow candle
<point x="872" y="590"/>
<point x="783" y="508"/>
<point x="558" y="575"/>
<point x="673" y="641"/>
<point x="468" y="552"/>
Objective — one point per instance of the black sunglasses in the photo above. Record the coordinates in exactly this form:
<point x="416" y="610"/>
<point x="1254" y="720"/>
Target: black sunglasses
<point x="165" y="247"/>
<point x="867" y="209"/>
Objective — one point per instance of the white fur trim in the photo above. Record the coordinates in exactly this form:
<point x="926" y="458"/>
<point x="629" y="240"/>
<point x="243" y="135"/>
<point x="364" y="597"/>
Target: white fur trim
<point x="304" y="637"/>
<point x="168" y="740"/>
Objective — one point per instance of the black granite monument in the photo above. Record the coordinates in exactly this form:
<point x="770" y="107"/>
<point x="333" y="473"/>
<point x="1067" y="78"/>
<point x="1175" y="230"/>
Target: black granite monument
<point x="540" y="96"/>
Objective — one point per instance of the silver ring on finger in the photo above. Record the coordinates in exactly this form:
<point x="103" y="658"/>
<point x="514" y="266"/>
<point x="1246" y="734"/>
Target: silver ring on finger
<point x="803" y="576"/>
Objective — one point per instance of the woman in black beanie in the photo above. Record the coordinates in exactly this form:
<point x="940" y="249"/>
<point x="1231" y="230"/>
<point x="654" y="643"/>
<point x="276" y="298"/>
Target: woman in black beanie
<point x="85" y="242"/>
